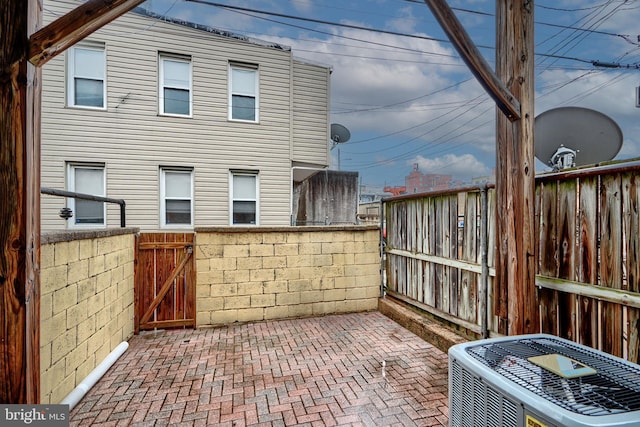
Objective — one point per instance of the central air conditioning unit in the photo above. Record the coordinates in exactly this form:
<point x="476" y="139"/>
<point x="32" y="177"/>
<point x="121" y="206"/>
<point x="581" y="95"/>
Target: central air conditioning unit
<point x="540" y="381"/>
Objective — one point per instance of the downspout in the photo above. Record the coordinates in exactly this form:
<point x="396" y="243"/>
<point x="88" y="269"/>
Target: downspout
<point x="484" y="254"/>
<point x="94" y="376"/>
<point x="291" y="131"/>
<point x="291" y="220"/>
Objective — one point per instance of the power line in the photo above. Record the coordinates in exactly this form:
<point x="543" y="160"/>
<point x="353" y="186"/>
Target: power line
<point x="560" y="9"/>
<point x="593" y="21"/>
<point x="545" y="24"/>
<point x="245" y="10"/>
<point x="434" y="142"/>
<point x="471" y="105"/>
<point x="407" y="100"/>
<point x="412" y="61"/>
<point x="574" y="33"/>
<point x="318" y="21"/>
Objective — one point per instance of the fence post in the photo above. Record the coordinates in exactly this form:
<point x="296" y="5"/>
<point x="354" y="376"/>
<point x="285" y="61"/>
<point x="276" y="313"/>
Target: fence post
<point x="383" y="242"/>
<point x="484" y="260"/>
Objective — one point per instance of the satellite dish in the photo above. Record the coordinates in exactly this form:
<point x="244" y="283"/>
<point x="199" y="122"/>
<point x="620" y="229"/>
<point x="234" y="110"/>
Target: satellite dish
<point x="339" y="133"/>
<point x="574" y="136"/>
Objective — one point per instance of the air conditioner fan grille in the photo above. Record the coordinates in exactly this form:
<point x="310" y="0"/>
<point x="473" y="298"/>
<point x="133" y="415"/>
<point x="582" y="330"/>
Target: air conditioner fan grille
<point x="613" y="389"/>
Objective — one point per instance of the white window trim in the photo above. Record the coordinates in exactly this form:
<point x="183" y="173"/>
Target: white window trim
<point x="255" y="174"/>
<point x="71" y="186"/>
<point x="256" y="93"/>
<point x="70" y="76"/>
<point x="163" y="219"/>
<point x="178" y="58"/>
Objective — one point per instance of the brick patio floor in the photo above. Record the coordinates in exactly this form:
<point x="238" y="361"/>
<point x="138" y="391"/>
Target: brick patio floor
<point x="354" y="369"/>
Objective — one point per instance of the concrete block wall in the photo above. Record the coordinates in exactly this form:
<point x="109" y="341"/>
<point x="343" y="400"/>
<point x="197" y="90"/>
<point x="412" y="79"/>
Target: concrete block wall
<point x="86" y="304"/>
<point x="253" y="274"/>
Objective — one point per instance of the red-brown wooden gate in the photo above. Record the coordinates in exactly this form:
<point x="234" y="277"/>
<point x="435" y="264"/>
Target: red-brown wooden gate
<point x="165" y="281"/>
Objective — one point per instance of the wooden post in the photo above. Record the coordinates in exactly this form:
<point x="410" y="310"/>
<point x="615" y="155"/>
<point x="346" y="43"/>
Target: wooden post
<point x="512" y="88"/>
<point x="19" y="206"/>
<point x="517" y="305"/>
<point x="20" y="95"/>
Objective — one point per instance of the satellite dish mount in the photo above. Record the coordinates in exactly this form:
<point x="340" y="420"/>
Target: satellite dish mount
<point x="339" y="134"/>
<point x="563" y="158"/>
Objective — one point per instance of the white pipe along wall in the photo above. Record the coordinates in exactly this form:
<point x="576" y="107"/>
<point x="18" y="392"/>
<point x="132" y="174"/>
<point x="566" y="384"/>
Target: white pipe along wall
<point x="78" y="393"/>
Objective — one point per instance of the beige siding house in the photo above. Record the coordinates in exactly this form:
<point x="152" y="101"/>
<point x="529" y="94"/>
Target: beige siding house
<point x="189" y="125"/>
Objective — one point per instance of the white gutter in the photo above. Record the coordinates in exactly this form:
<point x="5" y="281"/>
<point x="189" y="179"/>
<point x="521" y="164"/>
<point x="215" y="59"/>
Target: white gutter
<point x="78" y="393"/>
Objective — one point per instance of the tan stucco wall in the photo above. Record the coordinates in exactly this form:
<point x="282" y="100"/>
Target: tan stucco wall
<point x="275" y="273"/>
<point x="86" y="304"/>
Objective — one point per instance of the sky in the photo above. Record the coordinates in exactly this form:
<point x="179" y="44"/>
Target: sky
<point x="401" y="89"/>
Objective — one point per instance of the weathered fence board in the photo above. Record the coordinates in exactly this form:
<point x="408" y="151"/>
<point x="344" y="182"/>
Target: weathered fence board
<point x="588" y="330"/>
<point x="431" y="250"/>
<point x="611" y="261"/>
<point x="566" y="242"/>
<point x="631" y="232"/>
<point x="492" y="319"/>
<point x="419" y="232"/>
<point x="470" y="245"/>
<point x="452" y="272"/>
<point x="547" y="258"/>
<point x="442" y="287"/>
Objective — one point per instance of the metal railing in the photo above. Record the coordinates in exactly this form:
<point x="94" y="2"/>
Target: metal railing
<point x="73" y="194"/>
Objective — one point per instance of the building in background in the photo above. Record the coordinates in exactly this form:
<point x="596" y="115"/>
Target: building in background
<point x="190" y="125"/>
<point x="418" y="182"/>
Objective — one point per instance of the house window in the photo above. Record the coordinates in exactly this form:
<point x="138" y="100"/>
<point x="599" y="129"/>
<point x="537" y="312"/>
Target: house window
<point x="86" y="179"/>
<point x="244" y="198"/>
<point x="243" y="93"/>
<point x="175" y="85"/>
<point x="86" y="76"/>
<point x="176" y="197"/>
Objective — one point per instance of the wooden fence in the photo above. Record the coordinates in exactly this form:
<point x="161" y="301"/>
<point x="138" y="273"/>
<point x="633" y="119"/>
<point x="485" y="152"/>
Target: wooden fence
<point x="588" y="256"/>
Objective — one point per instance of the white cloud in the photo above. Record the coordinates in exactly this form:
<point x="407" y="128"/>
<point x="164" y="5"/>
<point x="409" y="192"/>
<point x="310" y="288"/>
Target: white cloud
<point x="302" y="5"/>
<point x="464" y="167"/>
<point x="405" y="23"/>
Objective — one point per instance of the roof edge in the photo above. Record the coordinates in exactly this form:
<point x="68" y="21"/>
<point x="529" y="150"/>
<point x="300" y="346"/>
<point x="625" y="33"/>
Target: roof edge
<point x="149" y="14"/>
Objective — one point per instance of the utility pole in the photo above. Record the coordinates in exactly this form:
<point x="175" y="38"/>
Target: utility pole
<point x="512" y="88"/>
<point x="515" y="173"/>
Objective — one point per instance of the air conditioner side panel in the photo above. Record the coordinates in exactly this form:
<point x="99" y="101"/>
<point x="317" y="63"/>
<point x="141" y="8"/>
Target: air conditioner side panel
<point x="472" y="402"/>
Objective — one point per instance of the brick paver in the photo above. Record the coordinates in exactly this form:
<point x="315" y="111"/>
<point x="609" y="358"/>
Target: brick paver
<point x="354" y="369"/>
